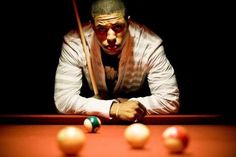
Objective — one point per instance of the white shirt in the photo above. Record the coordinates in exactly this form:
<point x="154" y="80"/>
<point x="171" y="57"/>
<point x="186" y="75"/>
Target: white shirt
<point x="143" y="57"/>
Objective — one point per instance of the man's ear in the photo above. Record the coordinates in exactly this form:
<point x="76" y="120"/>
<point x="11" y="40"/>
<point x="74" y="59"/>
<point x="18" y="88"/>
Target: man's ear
<point x="128" y="19"/>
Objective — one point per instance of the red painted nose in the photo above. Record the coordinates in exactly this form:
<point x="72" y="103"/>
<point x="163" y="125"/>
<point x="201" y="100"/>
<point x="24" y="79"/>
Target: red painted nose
<point x="112" y="42"/>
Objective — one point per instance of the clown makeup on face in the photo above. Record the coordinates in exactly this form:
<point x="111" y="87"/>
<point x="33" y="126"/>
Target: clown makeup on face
<point x="111" y="30"/>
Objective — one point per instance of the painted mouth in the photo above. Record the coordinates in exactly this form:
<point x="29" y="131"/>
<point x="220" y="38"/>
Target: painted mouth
<point x="112" y="47"/>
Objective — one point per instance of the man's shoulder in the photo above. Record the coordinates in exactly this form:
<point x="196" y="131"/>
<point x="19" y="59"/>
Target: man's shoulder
<point x="73" y="34"/>
<point x="142" y="32"/>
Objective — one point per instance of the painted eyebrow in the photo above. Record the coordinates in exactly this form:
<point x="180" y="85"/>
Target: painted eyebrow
<point x="100" y="25"/>
<point x="118" y="23"/>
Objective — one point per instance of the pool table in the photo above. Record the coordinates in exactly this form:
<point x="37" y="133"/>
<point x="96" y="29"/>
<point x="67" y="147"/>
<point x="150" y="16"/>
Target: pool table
<point x="35" y="136"/>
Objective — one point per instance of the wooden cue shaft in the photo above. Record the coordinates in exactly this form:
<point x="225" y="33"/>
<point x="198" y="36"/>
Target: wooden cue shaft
<point x="85" y="48"/>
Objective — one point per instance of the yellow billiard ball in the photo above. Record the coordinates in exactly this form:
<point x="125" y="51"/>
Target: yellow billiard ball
<point x="71" y="140"/>
<point x="137" y="135"/>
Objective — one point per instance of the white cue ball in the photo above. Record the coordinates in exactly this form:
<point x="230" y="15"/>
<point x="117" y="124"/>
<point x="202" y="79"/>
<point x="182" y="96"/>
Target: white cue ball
<point x="71" y="140"/>
<point x="175" y="139"/>
<point x="137" y="135"/>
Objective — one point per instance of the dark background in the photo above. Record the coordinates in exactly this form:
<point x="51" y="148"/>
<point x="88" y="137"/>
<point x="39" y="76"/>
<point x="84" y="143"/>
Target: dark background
<point x="197" y="38"/>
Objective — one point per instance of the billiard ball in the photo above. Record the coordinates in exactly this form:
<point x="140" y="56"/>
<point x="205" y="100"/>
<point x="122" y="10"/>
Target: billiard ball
<point x="137" y="135"/>
<point x="71" y="140"/>
<point x="175" y="138"/>
<point x="92" y="124"/>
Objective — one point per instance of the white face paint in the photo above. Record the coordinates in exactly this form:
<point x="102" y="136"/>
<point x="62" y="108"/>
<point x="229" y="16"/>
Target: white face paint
<point x="111" y="30"/>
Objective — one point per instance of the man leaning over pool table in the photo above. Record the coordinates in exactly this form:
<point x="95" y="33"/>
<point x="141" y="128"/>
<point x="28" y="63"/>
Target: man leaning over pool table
<point x="132" y="73"/>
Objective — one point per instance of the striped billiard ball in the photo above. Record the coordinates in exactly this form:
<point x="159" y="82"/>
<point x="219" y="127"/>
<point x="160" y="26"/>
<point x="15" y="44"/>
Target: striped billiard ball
<point x="176" y="138"/>
<point x="92" y="124"/>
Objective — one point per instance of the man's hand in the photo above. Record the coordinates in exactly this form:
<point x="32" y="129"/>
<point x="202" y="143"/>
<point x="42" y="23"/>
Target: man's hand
<point x="122" y="99"/>
<point x="128" y="111"/>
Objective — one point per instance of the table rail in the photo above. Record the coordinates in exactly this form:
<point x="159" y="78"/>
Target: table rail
<point x="150" y="119"/>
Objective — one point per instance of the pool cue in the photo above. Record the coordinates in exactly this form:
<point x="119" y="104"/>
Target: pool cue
<point x="86" y="51"/>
